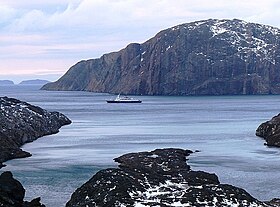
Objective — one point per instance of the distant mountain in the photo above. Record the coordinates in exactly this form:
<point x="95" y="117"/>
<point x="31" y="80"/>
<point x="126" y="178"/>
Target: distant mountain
<point x="209" y="57"/>
<point x="6" y="82"/>
<point x="34" y="82"/>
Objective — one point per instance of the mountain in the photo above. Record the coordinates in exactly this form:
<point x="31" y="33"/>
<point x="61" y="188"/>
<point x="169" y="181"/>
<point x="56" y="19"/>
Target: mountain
<point x="6" y="82"/>
<point x="209" y="57"/>
<point x="34" y="82"/>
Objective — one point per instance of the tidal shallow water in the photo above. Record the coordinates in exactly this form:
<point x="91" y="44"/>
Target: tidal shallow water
<point x="221" y="127"/>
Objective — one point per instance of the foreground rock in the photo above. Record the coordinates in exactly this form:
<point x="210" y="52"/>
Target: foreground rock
<point x="274" y="202"/>
<point x="20" y="123"/>
<point x="270" y="131"/>
<point x="158" y="178"/>
<point x="12" y="193"/>
<point x="209" y="57"/>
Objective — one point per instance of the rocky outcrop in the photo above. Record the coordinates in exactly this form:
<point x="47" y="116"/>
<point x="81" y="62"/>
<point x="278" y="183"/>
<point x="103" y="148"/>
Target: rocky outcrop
<point x="210" y="57"/>
<point x="12" y="193"/>
<point x="158" y="178"/>
<point x="270" y="131"/>
<point x="21" y="122"/>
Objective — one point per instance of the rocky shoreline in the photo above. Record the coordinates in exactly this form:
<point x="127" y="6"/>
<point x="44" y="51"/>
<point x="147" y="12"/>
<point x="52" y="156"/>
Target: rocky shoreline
<point x="158" y="178"/>
<point x="20" y="123"/>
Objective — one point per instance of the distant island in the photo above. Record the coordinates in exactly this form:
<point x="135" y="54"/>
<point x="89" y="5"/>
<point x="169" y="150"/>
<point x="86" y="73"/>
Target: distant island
<point x="208" y="57"/>
<point x="34" y="82"/>
<point x="6" y="82"/>
<point x="25" y="82"/>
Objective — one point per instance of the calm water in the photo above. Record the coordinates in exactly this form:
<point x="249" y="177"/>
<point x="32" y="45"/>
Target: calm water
<point x="222" y="128"/>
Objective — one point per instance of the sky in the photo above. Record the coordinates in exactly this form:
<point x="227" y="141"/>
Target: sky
<point x="44" y="38"/>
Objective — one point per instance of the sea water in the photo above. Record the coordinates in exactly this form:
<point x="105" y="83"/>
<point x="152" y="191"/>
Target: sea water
<point x="222" y="128"/>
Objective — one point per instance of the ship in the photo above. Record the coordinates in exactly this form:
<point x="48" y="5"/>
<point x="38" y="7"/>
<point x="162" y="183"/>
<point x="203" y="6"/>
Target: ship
<point x="124" y="99"/>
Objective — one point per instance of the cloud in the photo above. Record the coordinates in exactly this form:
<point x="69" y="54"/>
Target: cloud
<point x="96" y="16"/>
<point x="56" y="34"/>
<point x="47" y="5"/>
<point x="32" y="21"/>
<point x="6" y="14"/>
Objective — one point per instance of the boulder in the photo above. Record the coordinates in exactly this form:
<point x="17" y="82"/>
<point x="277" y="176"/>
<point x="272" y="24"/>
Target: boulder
<point x="270" y="131"/>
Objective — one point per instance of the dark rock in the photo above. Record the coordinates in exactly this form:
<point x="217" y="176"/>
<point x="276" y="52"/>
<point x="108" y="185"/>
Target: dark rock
<point x="158" y="178"/>
<point x="275" y="202"/>
<point x="211" y="57"/>
<point x="20" y="123"/>
<point x="12" y="193"/>
<point x="11" y="190"/>
<point x="34" y="203"/>
<point x="270" y="131"/>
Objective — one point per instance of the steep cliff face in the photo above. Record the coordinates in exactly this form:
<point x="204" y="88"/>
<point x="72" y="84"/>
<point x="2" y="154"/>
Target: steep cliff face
<point x="211" y="57"/>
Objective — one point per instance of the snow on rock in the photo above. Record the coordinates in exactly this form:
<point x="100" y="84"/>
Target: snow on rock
<point x="21" y="122"/>
<point x="158" y="178"/>
<point x="231" y="48"/>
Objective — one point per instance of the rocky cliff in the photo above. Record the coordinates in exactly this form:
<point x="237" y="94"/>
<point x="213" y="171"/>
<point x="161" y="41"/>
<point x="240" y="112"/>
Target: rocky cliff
<point x="21" y="122"/>
<point x="210" y="57"/>
<point x="158" y="178"/>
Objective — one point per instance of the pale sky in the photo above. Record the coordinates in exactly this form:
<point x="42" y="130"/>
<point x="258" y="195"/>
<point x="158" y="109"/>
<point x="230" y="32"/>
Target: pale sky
<point x="43" y="38"/>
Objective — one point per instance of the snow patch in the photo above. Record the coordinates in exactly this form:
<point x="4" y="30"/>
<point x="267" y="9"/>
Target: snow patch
<point x="154" y="156"/>
<point x="217" y="30"/>
<point x="168" y="48"/>
<point x="175" y="28"/>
